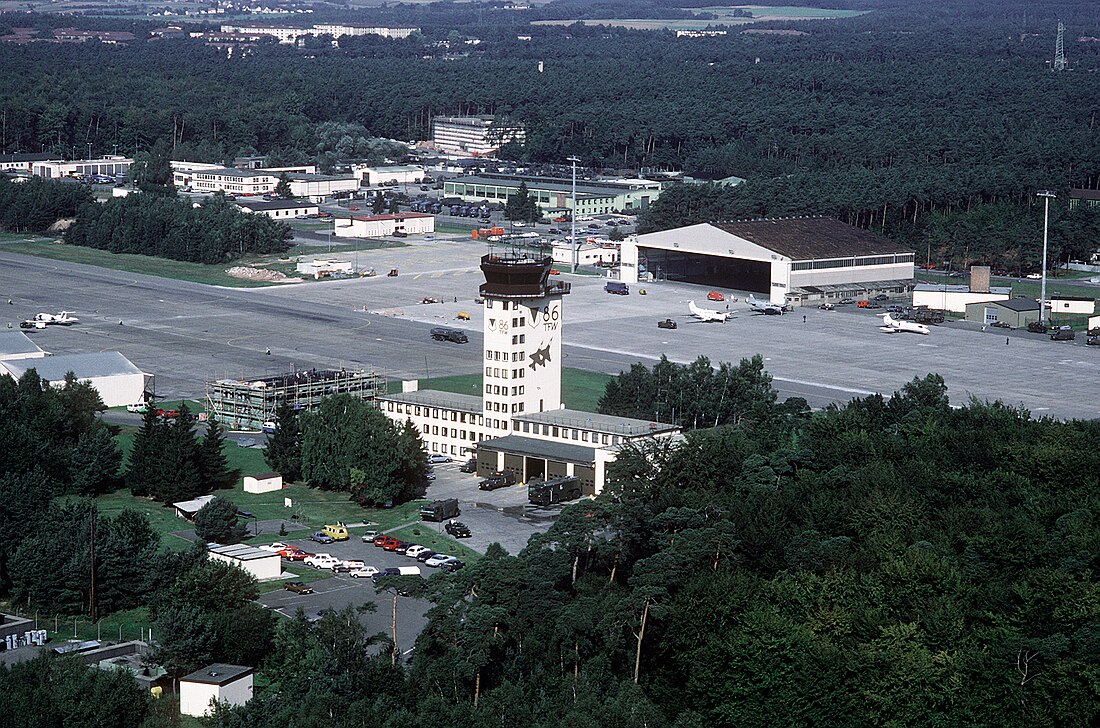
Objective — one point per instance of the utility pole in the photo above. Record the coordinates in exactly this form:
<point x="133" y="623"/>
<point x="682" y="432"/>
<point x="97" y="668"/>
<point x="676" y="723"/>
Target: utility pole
<point x="573" y="214"/>
<point x="91" y="593"/>
<point x="1047" y="196"/>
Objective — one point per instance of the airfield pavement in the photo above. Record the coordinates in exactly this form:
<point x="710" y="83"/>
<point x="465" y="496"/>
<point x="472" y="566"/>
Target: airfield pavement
<point x="186" y="333"/>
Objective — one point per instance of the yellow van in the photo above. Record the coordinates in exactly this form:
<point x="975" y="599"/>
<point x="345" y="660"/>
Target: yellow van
<point x="339" y="532"/>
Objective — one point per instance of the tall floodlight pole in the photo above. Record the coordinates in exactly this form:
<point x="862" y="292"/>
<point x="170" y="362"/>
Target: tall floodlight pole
<point x="573" y="214"/>
<point x="1047" y="196"/>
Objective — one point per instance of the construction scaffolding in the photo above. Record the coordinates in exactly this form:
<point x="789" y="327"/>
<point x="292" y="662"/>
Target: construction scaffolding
<point x="247" y="404"/>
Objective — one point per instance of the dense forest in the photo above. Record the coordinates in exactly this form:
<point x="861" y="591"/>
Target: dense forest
<point x="909" y="119"/>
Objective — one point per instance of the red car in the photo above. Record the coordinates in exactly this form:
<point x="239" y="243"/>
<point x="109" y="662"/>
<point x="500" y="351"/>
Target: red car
<point x="394" y="544"/>
<point x="715" y="296"/>
<point x="167" y="413"/>
<point x="385" y="541"/>
<point x="294" y="553"/>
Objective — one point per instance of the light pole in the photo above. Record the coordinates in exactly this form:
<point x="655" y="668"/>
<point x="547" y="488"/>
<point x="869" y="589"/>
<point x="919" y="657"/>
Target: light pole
<point x="1047" y="196"/>
<point x="573" y="214"/>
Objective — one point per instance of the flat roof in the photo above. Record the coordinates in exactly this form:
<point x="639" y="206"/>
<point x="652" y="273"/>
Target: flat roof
<point x="596" y="188"/>
<point x="256" y="205"/>
<point x="387" y="216"/>
<point x="16" y="342"/>
<point x="1056" y="297"/>
<point x="437" y="398"/>
<point x="812" y="238"/>
<point x="548" y="449"/>
<point x="1014" y="304"/>
<point x="265" y="476"/>
<point x="241" y="552"/>
<point x="305" y="177"/>
<point x="84" y="366"/>
<point x="1080" y="194"/>
<point x="26" y="157"/>
<point x="960" y="288"/>
<point x="193" y="505"/>
<point x="610" y="424"/>
<point x="218" y="674"/>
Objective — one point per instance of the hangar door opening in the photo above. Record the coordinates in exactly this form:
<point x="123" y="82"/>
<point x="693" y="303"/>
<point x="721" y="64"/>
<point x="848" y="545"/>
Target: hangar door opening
<point x="708" y="270"/>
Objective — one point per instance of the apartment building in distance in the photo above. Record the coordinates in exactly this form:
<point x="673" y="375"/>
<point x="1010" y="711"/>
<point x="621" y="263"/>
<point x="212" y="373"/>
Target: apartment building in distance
<point x="291" y="34"/>
<point x="474" y="135"/>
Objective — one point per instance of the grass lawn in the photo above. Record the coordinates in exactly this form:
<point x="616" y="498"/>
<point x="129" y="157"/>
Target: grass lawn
<point x="580" y="389"/>
<point x="432" y="536"/>
<point x="145" y="264"/>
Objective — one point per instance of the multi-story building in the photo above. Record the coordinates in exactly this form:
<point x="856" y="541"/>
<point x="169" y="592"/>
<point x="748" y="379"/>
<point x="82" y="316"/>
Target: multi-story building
<point x="473" y="135"/>
<point x="593" y="197"/>
<point x="292" y="34"/>
<point x="518" y="422"/>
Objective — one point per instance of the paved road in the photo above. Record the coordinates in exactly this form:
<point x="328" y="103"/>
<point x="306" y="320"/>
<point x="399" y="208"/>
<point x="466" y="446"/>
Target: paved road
<point x="186" y="333"/>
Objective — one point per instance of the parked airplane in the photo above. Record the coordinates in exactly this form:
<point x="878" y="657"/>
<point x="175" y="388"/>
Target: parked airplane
<point x="65" y="318"/>
<point x="892" y="325"/>
<point x="707" y="314"/>
<point x="765" y="307"/>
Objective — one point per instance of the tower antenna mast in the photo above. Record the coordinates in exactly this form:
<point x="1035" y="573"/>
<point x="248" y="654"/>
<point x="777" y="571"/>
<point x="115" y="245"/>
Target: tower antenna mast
<point x="1060" y="63"/>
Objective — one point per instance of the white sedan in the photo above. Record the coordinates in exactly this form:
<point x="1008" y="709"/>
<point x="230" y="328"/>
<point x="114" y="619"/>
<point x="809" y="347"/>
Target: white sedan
<point x="415" y="550"/>
<point x="365" y="573"/>
<point x="436" y="560"/>
<point x="273" y="547"/>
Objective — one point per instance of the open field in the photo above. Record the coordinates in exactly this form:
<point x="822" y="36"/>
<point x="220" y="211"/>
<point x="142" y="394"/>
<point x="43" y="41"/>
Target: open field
<point x="760" y="14"/>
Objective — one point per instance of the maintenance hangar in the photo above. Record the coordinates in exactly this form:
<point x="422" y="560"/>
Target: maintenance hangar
<point x="789" y="260"/>
<point x="114" y="376"/>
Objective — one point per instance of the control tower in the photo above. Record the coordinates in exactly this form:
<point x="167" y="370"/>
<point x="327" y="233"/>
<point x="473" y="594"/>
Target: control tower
<point x="523" y="320"/>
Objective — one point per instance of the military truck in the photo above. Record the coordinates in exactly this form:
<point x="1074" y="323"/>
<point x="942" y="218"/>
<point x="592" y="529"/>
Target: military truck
<point x="499" y="479"/>
<point x="556" y="490"/>
<point x="439" y="510"/>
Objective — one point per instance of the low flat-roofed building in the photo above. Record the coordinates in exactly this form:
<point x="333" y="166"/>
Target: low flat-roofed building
<point x="955" y="298"/>
<point x="262" y="565"/>
<point x="318" y="187"/>
<point x="110" y="166"/>
<point x="279" y="209"/>
<point x="377" y="226"/>
<point x="1016" y="312"/>
<point x="17" y="345"/>
<point x="188" y="508"/>
<point x="22" y="162"/>
<point x="594" y="197"/>
<point x="114" y="376"/>
<point x="230" y="684"/>
<point x="263" y="483"/>
<point x="402" y="174"/>
<point x="450" y="423"/>
<point x="1071" y="305"/>
<point x="325" y="267"/>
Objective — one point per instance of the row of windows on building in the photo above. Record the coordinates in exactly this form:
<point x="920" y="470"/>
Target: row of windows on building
<point x="506" y="305"/>
<point x="514" y="408"/>
<point x="433" y="413"/>
<point x="491" y="355"/>
<point x="852" y="262"/>
<point x="503" y="373"/>
<point x="566" y="433"/>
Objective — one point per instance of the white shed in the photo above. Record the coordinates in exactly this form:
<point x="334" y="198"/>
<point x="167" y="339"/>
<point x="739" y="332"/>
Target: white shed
<point x="230" y="684"/>
<point x="263" y="565"/>
<point x="263" y="483"/>
<point x="1072" y="305"/>
<point x="17" y="345"/>
<point x="377" y="226"/>
<point x="947" y="297"/>
<point x="114" y="376"/>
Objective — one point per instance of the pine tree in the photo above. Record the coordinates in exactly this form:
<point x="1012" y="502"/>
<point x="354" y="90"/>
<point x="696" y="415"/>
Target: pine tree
<point x="282" y="189"/>
<point x="284" y="446"/>
<point x="143" y="472"/>
<point x="213" y="467"/>
<point x="95" y="462"/>
<point x="217" y="522"/>
<point x="379" y="204"/>
<point x="180" y="478"/>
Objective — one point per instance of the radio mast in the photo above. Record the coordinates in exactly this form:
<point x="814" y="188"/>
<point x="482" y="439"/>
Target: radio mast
<point x="1060" y="63"/>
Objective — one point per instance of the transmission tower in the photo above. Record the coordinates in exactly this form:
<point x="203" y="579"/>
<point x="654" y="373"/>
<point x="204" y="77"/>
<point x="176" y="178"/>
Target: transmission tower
<point x="1059" y="50"/>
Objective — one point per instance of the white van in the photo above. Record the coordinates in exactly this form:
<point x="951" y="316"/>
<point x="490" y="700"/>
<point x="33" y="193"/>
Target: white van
<point x="409" y="570"/>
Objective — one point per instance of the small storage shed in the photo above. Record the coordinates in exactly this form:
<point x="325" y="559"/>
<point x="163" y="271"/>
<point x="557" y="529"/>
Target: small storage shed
<point x="231" y="684"/>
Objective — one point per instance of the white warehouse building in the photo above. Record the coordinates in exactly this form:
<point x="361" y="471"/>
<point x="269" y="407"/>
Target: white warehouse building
<point x="378" y="226"/>
<point x="220" y="683"/>
<point x="262" y="565"/>
<point x="114" y="376"/>
<point x="789" y="260"/>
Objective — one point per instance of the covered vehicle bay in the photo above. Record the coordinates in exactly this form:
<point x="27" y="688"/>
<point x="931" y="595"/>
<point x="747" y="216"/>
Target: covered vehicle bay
<point x="707" y="270"/>
<point x="529" y="458"/>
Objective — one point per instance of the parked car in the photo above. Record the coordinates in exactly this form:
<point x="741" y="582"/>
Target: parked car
<point x="293" y="553"/>
<point x="1063" y="335"/>
<point x="415" y="550"/>
<point x="321" y="537"/>
<point x="1037" y="327"/>
<point x="425" y="555"/>
<point x="402" y="547"/>
<point x="716" y="296"/>
<point x="381" y="539"/>
<point x="274" y="547"/>
<point x="458" y="529"/>
<point x="1001" y="325"/>
<point x="369" y="536"/>
<point x="298" y="587"/>
<point x="882" y="297"/>
<point x="452" y="564"/>
<point x="666" y="324"/>
<point x="321" y="561"/>
<point x="470" y="466"/>
<point x="827" y="307"/>
<point x="365" y="573"/>
<point x="846" y="301"/>
<point x="1034" y="276"/>
<point x="438" y="458"/>
<point x="393" y="544"/>
<point x="1093" y="341"/>
<point x="436" y="560"/>
<point x="349" y="565"/>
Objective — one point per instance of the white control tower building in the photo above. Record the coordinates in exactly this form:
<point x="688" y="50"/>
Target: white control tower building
<point x="523" y="323"/>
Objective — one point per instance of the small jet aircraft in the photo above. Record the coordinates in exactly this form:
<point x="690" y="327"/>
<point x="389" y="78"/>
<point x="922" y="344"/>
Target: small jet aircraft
<point x="891" y="325"/>
<point x="706" y="314"/>
<point x="65" y="318"/>
<point x="765" y="307"/>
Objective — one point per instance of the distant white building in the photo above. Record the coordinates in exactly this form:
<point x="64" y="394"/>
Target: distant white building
<point x="402" y="174"/>
<point x="473" y="135"/>
<point x="318" y="187"/>
<point x="109" y="165"/>
<point x="114" y="376"/>
<point x="229" y="684"/>
<point x="17" y="345"/>
<point x="324" y="267"/>
<point x="955" y="298"/>
<point x="289" y="34"/>
<point x="587" y="254"/>
<point x="279" y="209"/>
<point x="377" y="226"/>
<point x="22" y="162"/>
<point x="263" y="483"/>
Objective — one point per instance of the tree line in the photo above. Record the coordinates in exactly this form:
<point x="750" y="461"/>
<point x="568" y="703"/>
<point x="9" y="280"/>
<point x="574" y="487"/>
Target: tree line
<point x="32" y="205"/>
<point x="170" y="463"/>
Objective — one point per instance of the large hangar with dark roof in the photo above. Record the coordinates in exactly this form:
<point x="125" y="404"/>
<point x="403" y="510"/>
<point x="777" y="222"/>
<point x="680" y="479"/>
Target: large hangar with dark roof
<point x="786" y="259"/>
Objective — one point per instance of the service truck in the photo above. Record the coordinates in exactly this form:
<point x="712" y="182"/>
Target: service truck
<point x="555" y="490"/>
<point x="439" y="510"/>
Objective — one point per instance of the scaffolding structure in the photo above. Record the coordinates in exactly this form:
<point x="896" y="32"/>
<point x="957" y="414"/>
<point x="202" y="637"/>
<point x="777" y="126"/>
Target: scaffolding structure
<point x="246" y="404"/>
